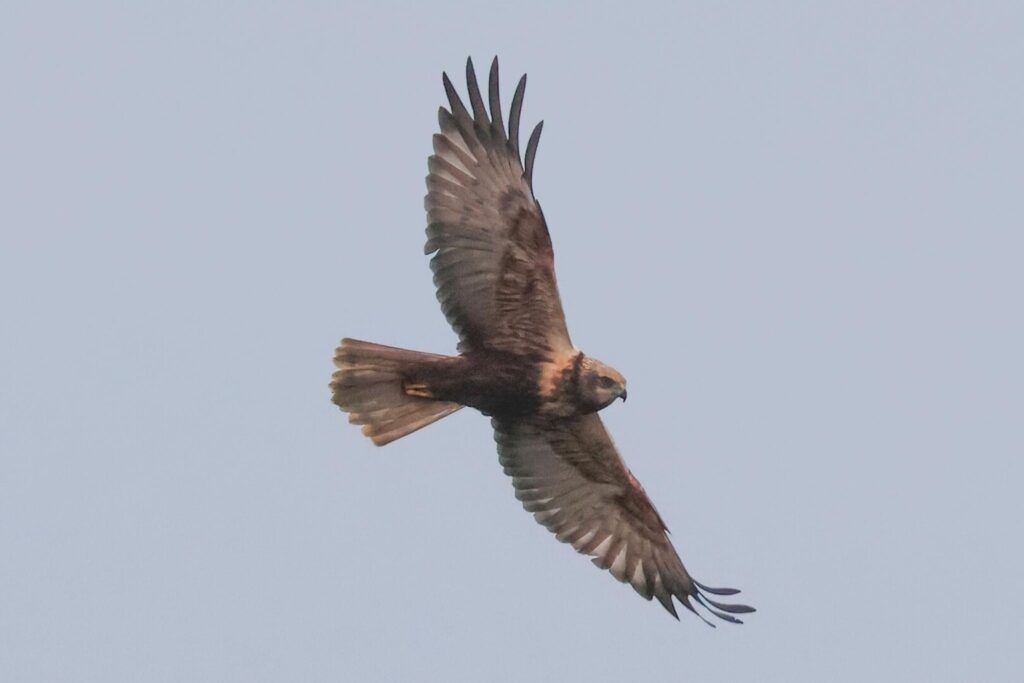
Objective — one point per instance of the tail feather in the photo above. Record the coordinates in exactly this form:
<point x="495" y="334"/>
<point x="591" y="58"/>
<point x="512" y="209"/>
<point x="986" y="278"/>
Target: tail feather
<point x="368" y="385"/>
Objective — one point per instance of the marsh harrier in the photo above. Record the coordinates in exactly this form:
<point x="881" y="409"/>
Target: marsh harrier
<point x="495" y="275"/>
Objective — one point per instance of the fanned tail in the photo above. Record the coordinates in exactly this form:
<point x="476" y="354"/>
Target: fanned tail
<point x="369" y="386"/>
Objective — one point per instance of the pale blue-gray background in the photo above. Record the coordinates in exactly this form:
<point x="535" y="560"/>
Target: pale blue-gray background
<point x="796" y="229"/>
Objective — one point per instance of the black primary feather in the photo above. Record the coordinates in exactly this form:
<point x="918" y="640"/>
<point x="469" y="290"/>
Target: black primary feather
<point x="531" y="153"/>
<point x="497" y="123"/>
<point x="513" y="115"/>
<point x="475" y="100"/>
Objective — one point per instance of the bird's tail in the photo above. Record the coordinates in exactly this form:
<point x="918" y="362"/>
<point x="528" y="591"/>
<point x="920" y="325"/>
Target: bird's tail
<point x="370" y="386"/>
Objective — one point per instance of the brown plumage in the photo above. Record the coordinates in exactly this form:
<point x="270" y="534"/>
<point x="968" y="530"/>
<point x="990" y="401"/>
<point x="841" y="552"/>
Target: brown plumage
<point x="494" y="270"/>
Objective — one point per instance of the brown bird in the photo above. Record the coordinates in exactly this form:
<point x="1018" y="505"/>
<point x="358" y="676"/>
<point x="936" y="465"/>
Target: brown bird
<point x="495" y="275"/>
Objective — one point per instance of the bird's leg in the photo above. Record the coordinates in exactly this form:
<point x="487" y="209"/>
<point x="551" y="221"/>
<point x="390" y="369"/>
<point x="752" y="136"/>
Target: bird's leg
<point x="419" y="390"/>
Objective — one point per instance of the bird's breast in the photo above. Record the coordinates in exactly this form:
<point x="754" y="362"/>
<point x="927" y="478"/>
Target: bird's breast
<point x="558" y="385"/>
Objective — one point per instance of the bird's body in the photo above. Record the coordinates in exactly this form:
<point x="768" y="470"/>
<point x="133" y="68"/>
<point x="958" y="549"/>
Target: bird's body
<point x="507" y="385"/>
<point x="494" y="269"/>
<point x="495" y="383"/>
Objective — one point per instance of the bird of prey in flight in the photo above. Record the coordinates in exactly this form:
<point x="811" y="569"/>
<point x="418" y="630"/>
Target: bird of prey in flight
<point x="494" y="270"/>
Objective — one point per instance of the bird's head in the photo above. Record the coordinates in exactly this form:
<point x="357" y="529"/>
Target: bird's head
<point x="599" y="384"/>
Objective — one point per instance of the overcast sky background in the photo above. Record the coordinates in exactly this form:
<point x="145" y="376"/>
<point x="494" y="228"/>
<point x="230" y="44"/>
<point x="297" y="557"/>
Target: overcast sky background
<point x="795" y="227"/>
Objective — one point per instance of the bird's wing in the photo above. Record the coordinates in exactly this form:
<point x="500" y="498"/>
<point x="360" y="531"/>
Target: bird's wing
<point x="569" y="474"/>
<point x="493" y="263"/>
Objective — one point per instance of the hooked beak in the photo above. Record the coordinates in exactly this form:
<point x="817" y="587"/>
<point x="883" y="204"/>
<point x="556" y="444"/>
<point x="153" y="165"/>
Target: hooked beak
<point x="623" y="395"/>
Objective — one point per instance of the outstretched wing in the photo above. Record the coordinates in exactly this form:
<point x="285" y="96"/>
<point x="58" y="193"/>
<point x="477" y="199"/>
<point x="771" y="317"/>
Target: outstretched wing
<point x="569" y="474"/>
<point x="494" y="267"/>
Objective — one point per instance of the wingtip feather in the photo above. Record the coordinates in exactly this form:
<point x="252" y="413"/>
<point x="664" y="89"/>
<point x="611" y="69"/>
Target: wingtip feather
<point x="531" y="153"/>
<point x="514" y="113"/>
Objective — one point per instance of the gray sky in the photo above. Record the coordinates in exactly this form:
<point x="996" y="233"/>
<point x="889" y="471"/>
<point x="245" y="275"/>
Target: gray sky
<point x="796" y="228"/>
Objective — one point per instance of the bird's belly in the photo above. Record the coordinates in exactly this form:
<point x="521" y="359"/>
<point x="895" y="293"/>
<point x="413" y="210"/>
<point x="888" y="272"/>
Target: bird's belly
<point x="493" y="385"/>
<point x="507" y="393"/>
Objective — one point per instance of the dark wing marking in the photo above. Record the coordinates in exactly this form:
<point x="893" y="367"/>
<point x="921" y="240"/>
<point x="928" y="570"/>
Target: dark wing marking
<point x="494" y="266"/>
<point x="569" y="474"/>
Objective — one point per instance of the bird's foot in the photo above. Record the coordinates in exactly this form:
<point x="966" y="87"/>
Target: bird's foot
<point x="419" y="390"/>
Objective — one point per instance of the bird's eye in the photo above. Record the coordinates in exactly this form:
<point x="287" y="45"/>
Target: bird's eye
<point x="607" y="382"/>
